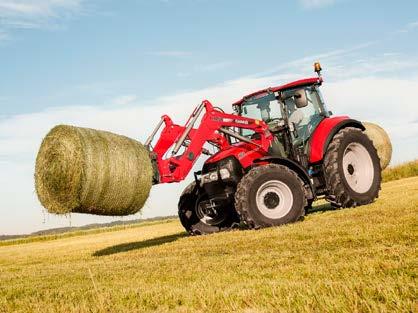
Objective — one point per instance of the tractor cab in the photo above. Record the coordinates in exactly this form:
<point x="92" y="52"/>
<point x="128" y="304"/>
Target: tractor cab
<point x="292" y="112"/>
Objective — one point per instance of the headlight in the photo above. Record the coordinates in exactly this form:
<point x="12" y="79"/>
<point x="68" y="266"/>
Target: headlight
<point x="224" y="173"/>
<point x="213" y="176"/>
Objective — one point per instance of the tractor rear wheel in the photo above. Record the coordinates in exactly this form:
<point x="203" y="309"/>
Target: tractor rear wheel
<point x="352" y="169"/>
<point x="270" y="195"/>
<point x="200" y="220"/>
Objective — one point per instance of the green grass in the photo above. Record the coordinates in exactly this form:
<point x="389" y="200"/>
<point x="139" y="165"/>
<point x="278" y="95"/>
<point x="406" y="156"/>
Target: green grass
<point x="404" y="170"/>
<point x="353" y="260"/>
<point x="73" y="233"/>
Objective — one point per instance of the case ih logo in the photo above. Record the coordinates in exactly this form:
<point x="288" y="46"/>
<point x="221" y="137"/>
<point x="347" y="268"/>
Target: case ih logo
<point x="241" y="122"/>
<point x="230" y="120"/>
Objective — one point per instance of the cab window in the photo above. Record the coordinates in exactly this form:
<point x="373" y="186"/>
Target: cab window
<point x="307" y="118"/>
<point x="265" y="108"/>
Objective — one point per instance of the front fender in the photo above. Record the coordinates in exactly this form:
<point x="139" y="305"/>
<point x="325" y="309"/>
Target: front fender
<point x="294" y="166"/>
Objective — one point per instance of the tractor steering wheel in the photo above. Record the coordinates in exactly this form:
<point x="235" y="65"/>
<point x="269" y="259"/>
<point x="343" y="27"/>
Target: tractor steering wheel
<point x="276" y="125"/>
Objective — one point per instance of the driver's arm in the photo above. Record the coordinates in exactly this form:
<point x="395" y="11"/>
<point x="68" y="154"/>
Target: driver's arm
<point x="296" y="117"/>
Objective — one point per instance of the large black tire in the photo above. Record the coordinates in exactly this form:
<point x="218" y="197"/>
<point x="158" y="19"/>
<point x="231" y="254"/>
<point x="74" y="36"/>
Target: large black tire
<point x="270" y="195"/>
<point x="352" y="169"/>
<point x="191" y="218"/>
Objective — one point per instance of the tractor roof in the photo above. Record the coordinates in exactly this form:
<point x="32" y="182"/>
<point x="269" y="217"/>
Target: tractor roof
<point x="297" y="83"/>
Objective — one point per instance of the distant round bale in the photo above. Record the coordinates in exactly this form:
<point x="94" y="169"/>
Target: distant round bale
<point x="381" y="141"/>
<point x="82" y="170"/>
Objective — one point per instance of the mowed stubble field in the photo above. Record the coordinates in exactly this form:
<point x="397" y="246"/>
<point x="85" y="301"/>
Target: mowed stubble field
<point x="353" y="260"/>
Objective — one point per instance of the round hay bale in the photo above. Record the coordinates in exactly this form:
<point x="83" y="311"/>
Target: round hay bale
<point x="381" y="141"/>
<point x="82" y="170"/>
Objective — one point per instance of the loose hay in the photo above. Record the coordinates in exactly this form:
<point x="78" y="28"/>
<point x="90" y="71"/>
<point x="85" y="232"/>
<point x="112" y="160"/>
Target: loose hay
<point x="83" y="170"/>
<point x="381" y="141"/>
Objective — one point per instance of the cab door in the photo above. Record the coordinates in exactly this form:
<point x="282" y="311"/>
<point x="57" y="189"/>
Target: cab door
<point x="304" y="120"/>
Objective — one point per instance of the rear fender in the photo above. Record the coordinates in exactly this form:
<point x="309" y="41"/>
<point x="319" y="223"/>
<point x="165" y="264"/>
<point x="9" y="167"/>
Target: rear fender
<point x="324" y="133"/>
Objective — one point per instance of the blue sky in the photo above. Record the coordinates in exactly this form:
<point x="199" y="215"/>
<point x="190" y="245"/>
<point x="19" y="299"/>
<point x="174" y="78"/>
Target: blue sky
<point x="119" y="65"/>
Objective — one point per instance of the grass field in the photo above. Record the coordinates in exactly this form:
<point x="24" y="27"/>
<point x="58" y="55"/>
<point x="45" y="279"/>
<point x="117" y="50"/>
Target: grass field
<point x="403" y="170"/>
<point x="354" y="260"/>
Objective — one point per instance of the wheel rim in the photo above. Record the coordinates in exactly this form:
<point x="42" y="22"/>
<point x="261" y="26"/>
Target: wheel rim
<point x="358" y="167"/>
<point x="274" y="199"/>
<point x="212" y="218"/>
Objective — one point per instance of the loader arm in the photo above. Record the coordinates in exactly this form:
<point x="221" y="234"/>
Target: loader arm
<point x="214" y="128"/>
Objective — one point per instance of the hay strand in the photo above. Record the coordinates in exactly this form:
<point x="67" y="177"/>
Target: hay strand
<point x="82" y="170"/>
<point x="381" y="141"/>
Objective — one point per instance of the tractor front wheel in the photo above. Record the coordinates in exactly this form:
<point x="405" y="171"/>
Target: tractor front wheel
<point x="352" y="169"/>
<point x="270" y="195"/>
<point x="198" y="219"/>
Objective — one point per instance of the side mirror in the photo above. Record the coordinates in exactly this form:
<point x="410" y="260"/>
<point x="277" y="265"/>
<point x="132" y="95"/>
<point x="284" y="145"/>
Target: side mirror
<point x="301" y="100"/>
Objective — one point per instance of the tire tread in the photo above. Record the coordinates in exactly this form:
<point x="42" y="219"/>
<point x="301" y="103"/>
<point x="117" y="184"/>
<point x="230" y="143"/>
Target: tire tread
<point x="241" y="201"/>
<point x="333" y="178"/>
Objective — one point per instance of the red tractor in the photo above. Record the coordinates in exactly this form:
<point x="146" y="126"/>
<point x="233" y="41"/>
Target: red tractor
<point x="274" y="156"/>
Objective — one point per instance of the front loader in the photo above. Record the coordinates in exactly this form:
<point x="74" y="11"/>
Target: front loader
<point x="278" y="152"/>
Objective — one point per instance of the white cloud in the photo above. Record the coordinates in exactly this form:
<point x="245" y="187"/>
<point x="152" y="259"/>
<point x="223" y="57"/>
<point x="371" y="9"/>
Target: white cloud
<point x="306" y="63"/>
<point x="212" y="67"/>
<point x="205" y="68"/>
<point x="413" y="24"/>
<point x="36" y="8"/>
<point x="310" y="4"/>
<point x="386" y="101"/>
<point x="21" y="14"/>
<point x="124" y="100"/>
<point x="405" y="29"/>
<point x="183" y="74"/>
<point x="3" y="35"/>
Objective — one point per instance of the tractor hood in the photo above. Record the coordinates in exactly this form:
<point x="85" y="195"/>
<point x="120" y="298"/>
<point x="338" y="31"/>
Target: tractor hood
<point x="245" y="153"/>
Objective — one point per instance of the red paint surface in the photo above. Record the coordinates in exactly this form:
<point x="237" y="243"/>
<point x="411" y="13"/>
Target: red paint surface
<point x="243" y="152"/>
<point x="320" y="136"/>
<point x="297" y="83"/>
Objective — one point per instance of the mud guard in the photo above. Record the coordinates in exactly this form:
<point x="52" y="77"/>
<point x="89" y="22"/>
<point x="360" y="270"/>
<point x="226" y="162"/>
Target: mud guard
<point x="324" y="133"/>
<point x="294" y="166"/>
